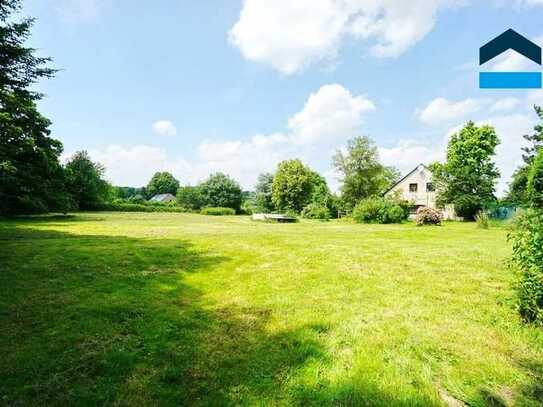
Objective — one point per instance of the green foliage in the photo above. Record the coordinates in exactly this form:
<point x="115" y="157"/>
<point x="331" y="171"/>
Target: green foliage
<point x="517" y="193"/>
<point x="128" y="193"/>
<point x="220" y="190"/>
<point x="84" y="182"/>
<point x="534" y="187"/>
<point x="468" y="177"/>
<point x="482" y="219"/>
<point x="31" y="177"/>
<point x="190" y="197"/>
<point x="316" y="211"/>
<point x="292" y="186"/>
<point x="379" y="210"/>
<point x="217" y="211"/>
<point x="362" y="174"/>
<point x="134" y="207"/>
<point x="263" y="201"/>
<point x="427" y="216"/>
<point x="527" y="241"/>
<point x="162" y="183"/>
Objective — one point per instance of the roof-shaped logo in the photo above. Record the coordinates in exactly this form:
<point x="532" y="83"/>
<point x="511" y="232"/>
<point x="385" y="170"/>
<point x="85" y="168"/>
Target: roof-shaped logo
<point x="510" y="39"/>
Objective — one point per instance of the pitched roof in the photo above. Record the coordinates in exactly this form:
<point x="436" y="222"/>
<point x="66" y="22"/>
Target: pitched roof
<point x="405" y="176"/>
<point x="162" y="197"/>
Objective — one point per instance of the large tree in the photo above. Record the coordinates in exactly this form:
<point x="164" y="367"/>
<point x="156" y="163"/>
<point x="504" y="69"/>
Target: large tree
<point x="85" y="183"/>
<point x="519" y="182"/>
<point x="293" y="185"/>
<point x="31" y="177"/>
<point x="362" y="175"/>
<point x="468" y="178"/>
<point x="221" y="190"/>
<point x="162" y="183"/>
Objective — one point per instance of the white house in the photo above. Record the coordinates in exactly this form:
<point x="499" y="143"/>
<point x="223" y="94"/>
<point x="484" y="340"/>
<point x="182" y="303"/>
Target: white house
<point x="417" y="188"/>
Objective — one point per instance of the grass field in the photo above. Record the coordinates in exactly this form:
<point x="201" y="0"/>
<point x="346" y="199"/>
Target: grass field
<point x="174" y="309"/>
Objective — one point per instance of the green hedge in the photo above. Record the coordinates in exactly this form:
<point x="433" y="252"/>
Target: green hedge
<point x="128" y="207"/>
<point x="217" y="211"/>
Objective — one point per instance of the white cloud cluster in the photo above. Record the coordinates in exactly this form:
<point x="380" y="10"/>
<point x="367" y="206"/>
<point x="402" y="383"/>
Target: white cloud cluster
<point x="441" y="110"/>
<point x="164" y="128"/>
<point x="329" y="117"/>
<point x="290" y="35"/>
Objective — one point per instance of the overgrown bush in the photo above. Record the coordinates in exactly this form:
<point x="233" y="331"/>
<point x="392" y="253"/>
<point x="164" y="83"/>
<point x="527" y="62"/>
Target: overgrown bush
<point x="315" y="211"/>
<point x="534" y="188"/>
<point x="527" y="240"/>
<point x="217" y="211"/>
<point x="482" y="219"/>
<point x="379" y="210"/>
<point x="427" y="216"/>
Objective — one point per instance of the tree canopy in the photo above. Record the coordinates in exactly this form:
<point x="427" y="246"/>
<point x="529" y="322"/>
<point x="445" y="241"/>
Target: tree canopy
<point x="221" y="190"/>
<point x="162" y="183"/>
<point x="263" y="193"/>
<point x="535" y="181"/>
<point x="292" y="186"/>
<point x="31" y="177"/>
<point x="467" y="179"/>
<point x="362" y="175"/>
<point x="84" y="182"/>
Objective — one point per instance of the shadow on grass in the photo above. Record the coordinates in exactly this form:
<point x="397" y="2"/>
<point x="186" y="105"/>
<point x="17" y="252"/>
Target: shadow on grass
<point x="94" y="320"/>
<point x="101" y="319"/>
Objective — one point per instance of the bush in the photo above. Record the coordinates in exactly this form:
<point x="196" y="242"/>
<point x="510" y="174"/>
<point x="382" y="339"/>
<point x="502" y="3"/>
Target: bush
<point x="379" y="210"/>
<point x="217" y="211"/>
<point x="315" y="211"/>
<point x="527" y="240"/>
<point x="427" y="216"/>
<point x="482" y="219"/>
<point x="130" y="207"/>
<point x="534" y="188"/>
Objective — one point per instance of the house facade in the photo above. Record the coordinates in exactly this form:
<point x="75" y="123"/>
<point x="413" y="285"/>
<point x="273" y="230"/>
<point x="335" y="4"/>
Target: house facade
<point x="417" y="188"/>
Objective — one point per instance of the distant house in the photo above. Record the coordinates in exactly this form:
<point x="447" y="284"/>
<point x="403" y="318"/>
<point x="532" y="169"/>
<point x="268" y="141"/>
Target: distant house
<point x="162" y="198"/>
<point x="417" y="188"/>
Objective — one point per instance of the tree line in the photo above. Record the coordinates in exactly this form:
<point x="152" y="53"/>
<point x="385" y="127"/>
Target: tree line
<point x="32" y="179"/>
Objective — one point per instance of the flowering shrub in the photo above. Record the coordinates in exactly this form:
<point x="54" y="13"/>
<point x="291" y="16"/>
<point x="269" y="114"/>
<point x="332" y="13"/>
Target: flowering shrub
<point x="427" y="216"/>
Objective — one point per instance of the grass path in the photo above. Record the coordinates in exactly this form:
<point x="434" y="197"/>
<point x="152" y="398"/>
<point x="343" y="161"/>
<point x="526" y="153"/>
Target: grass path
<point x="170" y="309"/>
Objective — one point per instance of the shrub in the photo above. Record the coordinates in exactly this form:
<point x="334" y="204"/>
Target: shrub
<point x="379" y="210"/>
<point x="427" y="216"/>
<point x="130" y="207"/>
<point x="315" y="211"/>
<point x="217" y="211"/>
<point x="482" y="219"/>
<point x="535" y="182"/>
<point x="527" y="240"/>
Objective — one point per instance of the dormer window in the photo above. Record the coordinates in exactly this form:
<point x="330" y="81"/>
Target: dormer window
<point x="413" y="187"/>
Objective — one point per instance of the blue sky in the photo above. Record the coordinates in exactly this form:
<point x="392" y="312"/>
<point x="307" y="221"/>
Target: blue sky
<point x="194" y="87"/>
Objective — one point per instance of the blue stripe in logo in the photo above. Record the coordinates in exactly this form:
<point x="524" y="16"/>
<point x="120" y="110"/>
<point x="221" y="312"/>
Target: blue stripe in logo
<point x="510" y="80"/>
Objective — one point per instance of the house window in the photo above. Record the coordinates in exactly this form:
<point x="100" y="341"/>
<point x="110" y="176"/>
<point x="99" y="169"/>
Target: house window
<point x="430" y="187"/>
<point x="413" y="187"/>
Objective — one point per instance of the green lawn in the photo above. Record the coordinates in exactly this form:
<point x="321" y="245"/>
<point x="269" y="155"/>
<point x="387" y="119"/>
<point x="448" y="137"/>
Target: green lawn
<point x="171" y="309"/>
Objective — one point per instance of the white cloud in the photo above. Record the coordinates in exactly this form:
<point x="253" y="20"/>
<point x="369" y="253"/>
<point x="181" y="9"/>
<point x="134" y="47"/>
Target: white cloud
<point x="290" y="35"/>
<point x="329" y="116"/>
<point x="164" y="128"/>
<point x="504" y="104"/>
<point x="406" y="154"/>
<point x="441" y="110"/>
<point x="79" y="11"/>
<point x="330" y="113"/>
<point x="134" y="166"/>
